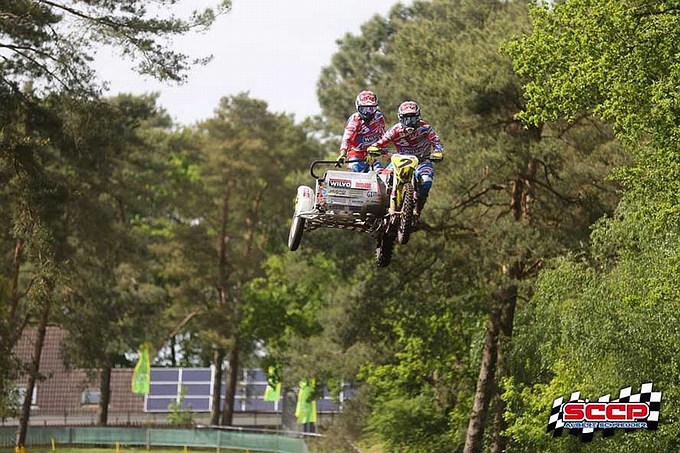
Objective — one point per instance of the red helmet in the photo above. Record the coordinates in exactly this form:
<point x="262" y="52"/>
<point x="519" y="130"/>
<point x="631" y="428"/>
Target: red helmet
<point x="409" y="113"/>
<point x="367" y="104"/>
<point x="367" y="98"/>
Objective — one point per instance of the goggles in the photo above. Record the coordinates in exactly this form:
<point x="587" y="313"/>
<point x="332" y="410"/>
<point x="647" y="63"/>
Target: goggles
<point x="367" y="110"/>
<point x="409" y="120"/>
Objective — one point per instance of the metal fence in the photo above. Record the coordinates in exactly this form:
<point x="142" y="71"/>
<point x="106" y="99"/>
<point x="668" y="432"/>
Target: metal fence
<point x="157" y="437"/>
<point x="244" y="420"/>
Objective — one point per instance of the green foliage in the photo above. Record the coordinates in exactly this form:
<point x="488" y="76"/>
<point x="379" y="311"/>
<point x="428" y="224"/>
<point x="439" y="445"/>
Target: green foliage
<point x="111" y="291"/>
<point x="284" y="303"/>
<point x="634" y="306"/>
<point x="230" y="195"/>
<point x="613" y="58"/>
<point x="606" y="319"/>
<point x="411" y="425"/>
<point x="180" y="416"/>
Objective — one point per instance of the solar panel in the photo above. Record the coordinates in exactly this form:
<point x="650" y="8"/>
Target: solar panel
<point x="167" y="383"/>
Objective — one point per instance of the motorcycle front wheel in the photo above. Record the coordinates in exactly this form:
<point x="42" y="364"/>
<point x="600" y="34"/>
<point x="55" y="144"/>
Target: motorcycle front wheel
<point x="406" y="220"/>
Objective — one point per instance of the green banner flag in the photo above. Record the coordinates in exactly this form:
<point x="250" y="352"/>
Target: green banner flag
<point x="141" y="376"/>
<point x="306" y="403"/>
<point x="273" y="390"/>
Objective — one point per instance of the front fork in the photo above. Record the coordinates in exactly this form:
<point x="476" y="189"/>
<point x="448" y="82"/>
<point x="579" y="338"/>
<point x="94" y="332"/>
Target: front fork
<point x="393" y="220"/>
<point x="396" y="194"/>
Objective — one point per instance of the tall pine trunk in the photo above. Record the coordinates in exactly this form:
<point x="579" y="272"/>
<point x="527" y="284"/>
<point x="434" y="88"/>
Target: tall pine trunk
<point x="488" y="383"/>
<point x="523" y="199"/>
<point x="523" y="195"/>
<point x="508" y="304"/>
<point x="14" y="326"/>
<point x="234" y="352"/>
<point x="34" y="369"/>
<point x="218" y="359"/>
<point x="222" y="302"/>
<point x="14" y="295"/>
<point x="232" y="381"/>
<point x="173" y="354"/>
<point x="474" y="441"/>
<point x="105" y="391"/>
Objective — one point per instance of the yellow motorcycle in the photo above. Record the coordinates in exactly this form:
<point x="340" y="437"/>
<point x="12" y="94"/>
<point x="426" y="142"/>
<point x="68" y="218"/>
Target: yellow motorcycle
<point x="403" y="196"/>
<point x="400" y="220"/>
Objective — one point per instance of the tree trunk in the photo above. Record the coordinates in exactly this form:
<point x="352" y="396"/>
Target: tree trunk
<point x="288" y="418"/>
<point x="173" y="354"/>
<point x="523" y="196"/>
<point x="521" y="209"/>
<point x="252" y="220"/>
<point x="14" y="295"/>
<point x="516" y="198"/>
<point x="34" y="369"/>
<point x="15" y="327"/>
<point x="222" y="254"/>
<point x="218" y="358"/>
<point x="508" y="302"/>
<point x="530" y="192"/>
<point x="222" y="301"/>
<point x="230" y="390"/>
<point x="474" y="441"/>
<point x="105" y="391"/>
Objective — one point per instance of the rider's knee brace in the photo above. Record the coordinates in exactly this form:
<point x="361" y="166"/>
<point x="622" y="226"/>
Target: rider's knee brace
<point x="360" y="167"/>
<point x="425" y="184"/>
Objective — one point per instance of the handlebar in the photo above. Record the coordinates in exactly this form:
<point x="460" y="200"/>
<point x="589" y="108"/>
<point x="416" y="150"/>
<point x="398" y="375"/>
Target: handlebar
<point x="335" y="162"/>
<point x="317" y="162"/>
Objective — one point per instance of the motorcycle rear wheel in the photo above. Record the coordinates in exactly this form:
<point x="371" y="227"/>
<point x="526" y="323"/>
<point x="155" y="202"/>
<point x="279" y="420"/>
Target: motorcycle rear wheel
<point x="383" y="250"/>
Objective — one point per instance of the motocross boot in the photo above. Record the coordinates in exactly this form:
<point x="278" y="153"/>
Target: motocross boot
<point x="420" y="203"/>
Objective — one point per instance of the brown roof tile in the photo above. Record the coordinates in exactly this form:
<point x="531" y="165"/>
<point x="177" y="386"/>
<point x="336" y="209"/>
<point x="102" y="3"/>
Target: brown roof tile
<point x="62" y="389"/>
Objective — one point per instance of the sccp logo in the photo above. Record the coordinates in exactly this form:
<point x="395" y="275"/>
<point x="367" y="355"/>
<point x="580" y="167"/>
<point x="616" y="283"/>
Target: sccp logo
<point x="584" y="417"/>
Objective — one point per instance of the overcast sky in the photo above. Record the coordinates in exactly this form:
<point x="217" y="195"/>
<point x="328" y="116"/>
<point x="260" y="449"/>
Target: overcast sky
<point x="274" y="49"/>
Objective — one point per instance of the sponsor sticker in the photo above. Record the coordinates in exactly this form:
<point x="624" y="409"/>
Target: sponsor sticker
<point x="362" y="185"/>
<point x="339" y="192"/>
<point x="355" y="193"/>
<point x="584" y="417"/>
<point x="340" y="183"/>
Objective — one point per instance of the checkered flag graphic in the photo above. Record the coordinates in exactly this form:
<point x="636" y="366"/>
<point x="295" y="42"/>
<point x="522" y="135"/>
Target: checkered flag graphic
<point x="646" y="395"/>
<point x="556" y="424"/>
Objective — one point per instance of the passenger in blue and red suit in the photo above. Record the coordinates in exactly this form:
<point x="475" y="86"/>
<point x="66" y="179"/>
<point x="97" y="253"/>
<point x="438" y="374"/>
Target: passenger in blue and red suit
<point x="363" y="128"/>
<point x="411" y="135"/>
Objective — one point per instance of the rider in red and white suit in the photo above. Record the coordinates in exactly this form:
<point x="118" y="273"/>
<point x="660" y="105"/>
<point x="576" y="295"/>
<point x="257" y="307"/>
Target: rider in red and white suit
<point x="363" y="128"/>
<point x="411" y="135"/>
